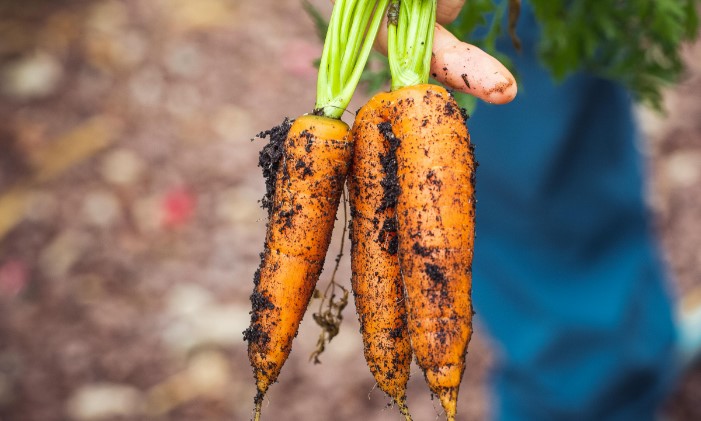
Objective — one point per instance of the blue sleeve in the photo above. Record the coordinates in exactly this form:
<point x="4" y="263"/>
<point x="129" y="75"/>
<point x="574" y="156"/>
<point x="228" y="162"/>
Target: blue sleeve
<point x="567" y="277"/>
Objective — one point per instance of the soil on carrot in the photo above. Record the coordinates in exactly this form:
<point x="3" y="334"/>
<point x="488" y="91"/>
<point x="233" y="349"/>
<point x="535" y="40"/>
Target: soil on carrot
<point x="270" y="157"/>
<point x="390" y="182"/>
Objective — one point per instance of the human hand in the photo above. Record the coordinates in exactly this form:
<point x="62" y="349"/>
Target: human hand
<point x="462" y="66"/>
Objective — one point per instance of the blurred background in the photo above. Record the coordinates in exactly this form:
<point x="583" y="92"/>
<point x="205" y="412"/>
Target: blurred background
<point x="130" y="225"/>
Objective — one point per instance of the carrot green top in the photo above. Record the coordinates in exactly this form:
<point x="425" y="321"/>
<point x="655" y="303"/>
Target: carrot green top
<point x="352" y="30"/>
<point x="410" y="41"/>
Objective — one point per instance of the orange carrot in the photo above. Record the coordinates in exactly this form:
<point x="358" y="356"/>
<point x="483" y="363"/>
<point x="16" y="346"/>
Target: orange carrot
<point x="376" y="281"/>
<point x="435" y="214"/>
<point x="306" y="176"/>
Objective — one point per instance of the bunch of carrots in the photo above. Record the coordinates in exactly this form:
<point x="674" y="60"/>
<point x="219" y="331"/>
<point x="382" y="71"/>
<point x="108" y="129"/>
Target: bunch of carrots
<point x="409" y="167"/>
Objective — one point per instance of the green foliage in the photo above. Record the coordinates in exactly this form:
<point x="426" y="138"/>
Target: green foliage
<point x="635" y="42"/>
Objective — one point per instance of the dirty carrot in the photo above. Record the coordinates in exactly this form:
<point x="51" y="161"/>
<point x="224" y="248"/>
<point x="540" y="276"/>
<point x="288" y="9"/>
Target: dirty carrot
<point x="376" y="279"/>
<point x="435" y="207"/>
<point x="305" y="165"/>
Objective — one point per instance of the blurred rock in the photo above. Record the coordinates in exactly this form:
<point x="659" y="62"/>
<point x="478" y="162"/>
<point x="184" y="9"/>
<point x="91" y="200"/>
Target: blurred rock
<point x="239" y="206"/>
<point x="209" y="373"/>
<point x="147" y="213"/>
<point x="187" y="15"/>
<point x="108" y="17"/>
<point x="60" y="30"/>
<point x="183" y="100"/>
<point x="104" y="400"/>
<point x="146" y="87"/>
<point x="60" y="255"/>
<point x="187" y="299"/>
<point x="195" y="319"/>
<point x="101" y="208"/>
<point x="121" y="167"/>
<point x="683" y="169"/>
<point x="42" y="206"/>
<point x="122" y="50"/>
<point x="183" y="59"/>
<point x="233" y="123"/>
<point x="31" y="77"/>
<point x="652" y="124"/>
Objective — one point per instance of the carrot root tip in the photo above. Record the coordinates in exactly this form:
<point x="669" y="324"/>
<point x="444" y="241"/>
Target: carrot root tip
<point x="403" y="409"/>
<point x="259" y="405"/>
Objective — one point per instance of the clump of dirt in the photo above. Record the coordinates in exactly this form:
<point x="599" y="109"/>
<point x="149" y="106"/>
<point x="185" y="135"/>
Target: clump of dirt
<point x="420" y="250"/>
<point x="435" y="272"/>
<point x="270" y="157"/>
<point x="390" y="183"/>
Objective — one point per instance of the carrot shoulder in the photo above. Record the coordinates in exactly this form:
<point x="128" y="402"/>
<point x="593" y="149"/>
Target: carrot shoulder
<point x="308" y="181"/>
<point x="376" y="279"/>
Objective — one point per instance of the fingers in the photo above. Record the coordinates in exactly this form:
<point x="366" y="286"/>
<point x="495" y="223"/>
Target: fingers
<point x="468" y="69"/>
<point x="465" y="68"/>
<point x="448" y="10"/>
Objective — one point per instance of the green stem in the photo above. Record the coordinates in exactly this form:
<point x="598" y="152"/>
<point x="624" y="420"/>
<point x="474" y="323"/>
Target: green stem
<point x="352" y="30"/>
<point x="410" y="42"/>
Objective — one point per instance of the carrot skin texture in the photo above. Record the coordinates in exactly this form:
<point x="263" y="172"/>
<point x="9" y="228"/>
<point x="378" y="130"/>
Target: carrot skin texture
<point x="308" y="187"/>
<point x="435" y="214"/>
<point x="376" y="278"/>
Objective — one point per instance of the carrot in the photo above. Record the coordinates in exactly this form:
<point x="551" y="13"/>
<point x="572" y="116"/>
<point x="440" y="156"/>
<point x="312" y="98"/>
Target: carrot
<point x="376" y="280"/>
<point x="302" y="210"/>
<point x="435" y="207"/>
<point x="435" y="213"/>
<point x="305" y="165"/>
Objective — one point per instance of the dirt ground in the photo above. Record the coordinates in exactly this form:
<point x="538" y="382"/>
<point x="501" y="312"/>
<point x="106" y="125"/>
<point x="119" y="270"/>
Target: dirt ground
<point x="130" y="225"/>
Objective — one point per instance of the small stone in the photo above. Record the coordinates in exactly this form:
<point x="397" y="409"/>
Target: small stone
<point x="60" y="255"/>
<point x="31" y="77"/>
<point x="239" y="205"/>
<point x="122" y="167"/>
<point x="147" y="213"/>
<point x="108" y="17"/>
<point x="41" y="207"/>
<point x="233" y="123"/>
<point x="146" y="87"/>
<point x="683" y="169"/>
<point x="184" y="60"/>
<point x="101" y="208"/>
<point x="104" y="400"/>
<point x="209" y="373"/>
<point x="187" y="15"/>
<point x="183" y="100"/>
<point x="187" y="299"/>
<point x="222" y="324"/>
